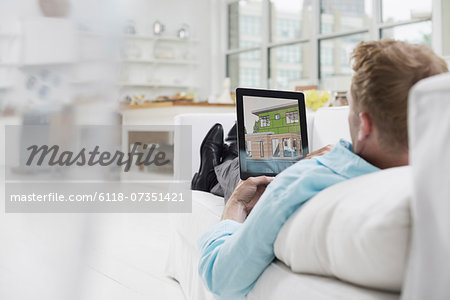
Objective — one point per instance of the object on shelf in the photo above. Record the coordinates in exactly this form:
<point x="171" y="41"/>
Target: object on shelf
<point x="339" y="99"/>
<point x="184" y="96"/>
<point x="164" y="52"/>
<point x="130" y="28"/>
<point x="306" y="87"/>
<point x="183" y="33"/>
<point x="315" y="99"/>
<point x="178" y="97"/>
<point x="158" y="28"/>
<point x="163" y="99"/>
<point x="136" y="100"/>
<point x="55" y="8"/>
<point x="225" y="97"/>
<point x="127" y="100"/>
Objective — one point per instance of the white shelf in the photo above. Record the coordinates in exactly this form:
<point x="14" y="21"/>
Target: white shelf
<point x="175" y="39"/>
<point x="157" y="38"/>
<point x="155" y="85"/>
<point x="161" y="61"/>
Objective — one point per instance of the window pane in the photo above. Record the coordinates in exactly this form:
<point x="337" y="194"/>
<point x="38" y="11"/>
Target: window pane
<point x="404" y="10"/>
<point x="244" y="24"/>
<point x="344" y="15"/>
<point x="244" y="69"/>
<point x="335" y="54"/>
<point x="418" y="33"/>
<point x="288" y="65"/>
<point x="290" y="19"/>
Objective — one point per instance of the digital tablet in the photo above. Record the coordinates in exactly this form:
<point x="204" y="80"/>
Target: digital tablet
<point x="272" y="131"/>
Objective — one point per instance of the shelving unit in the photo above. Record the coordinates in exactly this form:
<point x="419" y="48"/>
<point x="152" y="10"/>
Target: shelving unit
<point x="157" y="65"/>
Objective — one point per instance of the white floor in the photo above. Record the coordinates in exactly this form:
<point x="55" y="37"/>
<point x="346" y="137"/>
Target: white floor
<point x="92" y="256"/>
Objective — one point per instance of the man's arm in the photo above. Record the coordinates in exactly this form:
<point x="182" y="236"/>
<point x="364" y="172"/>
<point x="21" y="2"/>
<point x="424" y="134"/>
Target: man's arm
<point x="233" y="255"/>
<point x="248" y="192"/>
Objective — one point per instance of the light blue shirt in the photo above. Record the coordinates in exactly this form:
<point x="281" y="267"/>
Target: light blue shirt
<point x="233" y="255"/>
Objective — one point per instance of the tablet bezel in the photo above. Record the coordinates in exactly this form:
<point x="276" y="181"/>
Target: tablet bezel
<point x="240" y="93"/>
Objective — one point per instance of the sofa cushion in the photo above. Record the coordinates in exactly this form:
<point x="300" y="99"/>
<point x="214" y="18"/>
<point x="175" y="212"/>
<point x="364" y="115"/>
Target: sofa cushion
<point x="357" y="230"/>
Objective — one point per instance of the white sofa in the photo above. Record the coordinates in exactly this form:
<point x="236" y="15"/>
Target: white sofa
<point x="278" y="281"/>
<point x="326" y="126"/>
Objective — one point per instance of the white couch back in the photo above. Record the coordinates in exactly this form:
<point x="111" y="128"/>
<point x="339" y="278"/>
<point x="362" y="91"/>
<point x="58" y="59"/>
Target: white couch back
<point x="329" y="125"/>
<point x="201" y="123"/>
<point x="325" y="126"/>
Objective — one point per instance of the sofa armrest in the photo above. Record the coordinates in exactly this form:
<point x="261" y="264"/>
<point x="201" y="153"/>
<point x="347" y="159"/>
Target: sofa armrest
<point x="428" y="276"/>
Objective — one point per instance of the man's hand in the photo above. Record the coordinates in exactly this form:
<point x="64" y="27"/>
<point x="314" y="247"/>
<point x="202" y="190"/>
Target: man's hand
<point x="244" y="198"/>
<point x="320" y="152"/>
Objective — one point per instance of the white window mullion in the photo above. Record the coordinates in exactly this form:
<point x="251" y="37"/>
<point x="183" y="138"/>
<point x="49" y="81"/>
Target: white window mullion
<point x="265" y="43"/>
<point x="376" y="20"/>
<point x="315" y="50"/>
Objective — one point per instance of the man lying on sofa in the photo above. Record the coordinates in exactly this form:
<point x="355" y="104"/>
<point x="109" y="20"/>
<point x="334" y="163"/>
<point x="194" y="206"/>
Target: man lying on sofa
<point x="237" y="250"/>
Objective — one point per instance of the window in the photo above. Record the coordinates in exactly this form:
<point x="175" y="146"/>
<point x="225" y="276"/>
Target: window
<point x="277" y="116"/>
<point x="261" y="149"/>
<point x="275" y="148"/>
<point x="278" y="44"/>
<point x="405" y="10"/>
<point x="414" y="17"/>
<point x="290" y="19"/>
<point x="291" y="117"/>
<point x="288" y="65"/>
<point x="344" y="15"/>
<point x="294" y="147"/>
<point x="419" y="33"/>
<point x="335" y="55"/>
<point x="287" y="151"/>
<point x="265" y="121"/>
<point x="244" y="69"/>
<point x="244" y="24"/>
<point x="249" y="148"/>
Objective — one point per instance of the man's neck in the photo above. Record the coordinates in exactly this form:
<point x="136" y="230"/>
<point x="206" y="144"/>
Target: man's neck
<point x="388" y="159"/>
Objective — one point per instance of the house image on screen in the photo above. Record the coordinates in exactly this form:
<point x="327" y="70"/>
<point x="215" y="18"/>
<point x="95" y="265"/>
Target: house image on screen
<point x="275" y="135"/>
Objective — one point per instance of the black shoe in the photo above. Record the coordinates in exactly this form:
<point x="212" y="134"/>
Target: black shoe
<point x="210" y="156"/>
<point x="231" y="150"/>
<point x="232" y="135"/>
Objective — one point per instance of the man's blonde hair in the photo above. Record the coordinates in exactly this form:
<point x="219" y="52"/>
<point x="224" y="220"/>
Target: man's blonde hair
<point x="385" y="71"/>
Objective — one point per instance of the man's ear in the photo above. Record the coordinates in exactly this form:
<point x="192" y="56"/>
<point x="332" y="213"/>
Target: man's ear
<point x="365" y="126"/>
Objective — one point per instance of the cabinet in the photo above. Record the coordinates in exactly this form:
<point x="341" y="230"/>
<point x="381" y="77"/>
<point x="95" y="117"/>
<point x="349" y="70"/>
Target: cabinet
<point x="155" y="122"/>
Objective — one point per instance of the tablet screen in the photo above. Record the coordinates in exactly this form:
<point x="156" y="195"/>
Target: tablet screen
<point x="272" y="135"/>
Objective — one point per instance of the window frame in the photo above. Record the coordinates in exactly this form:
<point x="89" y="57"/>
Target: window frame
<point x="264" y="121"/>
<point x="291" y="116"/>
<point x="373" y="30"/>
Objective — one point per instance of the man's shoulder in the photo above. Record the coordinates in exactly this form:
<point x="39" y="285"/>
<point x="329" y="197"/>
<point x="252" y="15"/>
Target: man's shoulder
<point x="341" y="161"/>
